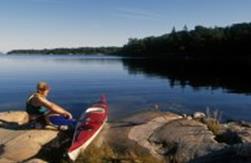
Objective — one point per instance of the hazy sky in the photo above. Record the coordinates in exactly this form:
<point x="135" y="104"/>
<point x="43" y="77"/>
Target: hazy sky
<point x="73" y="23"/>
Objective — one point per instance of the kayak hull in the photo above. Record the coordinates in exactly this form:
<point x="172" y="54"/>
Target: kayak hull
<point x="89" y="126"/>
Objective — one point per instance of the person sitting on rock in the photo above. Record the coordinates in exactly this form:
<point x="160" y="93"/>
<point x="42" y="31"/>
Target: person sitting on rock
<point x="42" y="110"/>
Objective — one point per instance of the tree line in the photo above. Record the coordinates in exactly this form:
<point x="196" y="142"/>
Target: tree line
<point x="200" y="42"/>
<point x="81" y="50"/>
<point x="234" y="40"/>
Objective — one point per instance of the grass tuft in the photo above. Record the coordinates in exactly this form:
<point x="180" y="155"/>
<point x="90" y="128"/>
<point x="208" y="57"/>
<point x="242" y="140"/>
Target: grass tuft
<point x="106" y="154"/>
<point x="212" y="121"/>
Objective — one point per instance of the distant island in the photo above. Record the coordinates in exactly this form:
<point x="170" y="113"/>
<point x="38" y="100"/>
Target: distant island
<point x="68" y="51"/>
<point x="201" y="42"/>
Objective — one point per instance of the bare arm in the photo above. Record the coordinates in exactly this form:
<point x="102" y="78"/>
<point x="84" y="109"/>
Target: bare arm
<point x="54" y="107"/>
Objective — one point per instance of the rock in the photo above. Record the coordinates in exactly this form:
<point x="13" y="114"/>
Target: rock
<point x="36" y="161"/>
<point x="245" y="124"/>
<point x="141" y="118"/>
<point x="189" y="117"/>
<point x="237" y="153"/>
<point x="141" y="133"/>
<point x="199" y="115"/>
<point x="4" y="160"/>
<point x="27" y="144"/>
<point x="18" y="117"/>
<point x="184" y="115"/>
<point x="183" y="140"/>
<point x="240" y="132"/>
<point x="143" y="137"/>
<point x="164" y="136"/>
<point x="7" y="134"/>
<point x="19" y="143"/>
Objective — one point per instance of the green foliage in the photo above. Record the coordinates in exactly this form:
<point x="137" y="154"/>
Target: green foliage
<point x="73" y="51"/>
<point x="199" y="42"/>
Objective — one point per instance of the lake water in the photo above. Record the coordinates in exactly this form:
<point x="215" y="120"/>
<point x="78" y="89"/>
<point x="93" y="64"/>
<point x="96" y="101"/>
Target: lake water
<point x="77" y="81"/>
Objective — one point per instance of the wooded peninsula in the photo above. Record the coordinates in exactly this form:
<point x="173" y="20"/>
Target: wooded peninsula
<point x="234" y="40"/>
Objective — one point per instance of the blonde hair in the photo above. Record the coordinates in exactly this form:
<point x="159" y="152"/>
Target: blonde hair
<point x="42" y="86"/>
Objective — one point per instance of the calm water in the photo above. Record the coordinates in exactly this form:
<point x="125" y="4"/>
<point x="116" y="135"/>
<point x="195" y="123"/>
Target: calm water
<point x="78" y="81"/>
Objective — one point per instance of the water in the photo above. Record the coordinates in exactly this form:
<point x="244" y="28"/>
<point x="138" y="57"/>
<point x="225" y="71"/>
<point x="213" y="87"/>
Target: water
<point x="77" y="81"/>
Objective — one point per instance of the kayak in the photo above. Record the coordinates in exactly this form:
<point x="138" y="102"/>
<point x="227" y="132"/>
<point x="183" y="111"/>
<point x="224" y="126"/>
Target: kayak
<point x="88" y="127"/>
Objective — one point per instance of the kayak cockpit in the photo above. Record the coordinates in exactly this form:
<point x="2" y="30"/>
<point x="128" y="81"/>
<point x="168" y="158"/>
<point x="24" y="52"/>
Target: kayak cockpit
<point x="95" y="110"/>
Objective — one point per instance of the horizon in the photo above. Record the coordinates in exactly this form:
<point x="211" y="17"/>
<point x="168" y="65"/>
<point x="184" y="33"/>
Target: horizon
<point x="48" y="24"/>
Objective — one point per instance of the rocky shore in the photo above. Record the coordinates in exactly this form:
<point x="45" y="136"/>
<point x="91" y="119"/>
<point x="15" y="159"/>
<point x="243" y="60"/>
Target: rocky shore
<point x="143" y="137"/>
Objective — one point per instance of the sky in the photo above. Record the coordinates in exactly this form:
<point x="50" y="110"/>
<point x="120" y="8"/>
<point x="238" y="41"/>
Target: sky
<point x="38" y="24"/>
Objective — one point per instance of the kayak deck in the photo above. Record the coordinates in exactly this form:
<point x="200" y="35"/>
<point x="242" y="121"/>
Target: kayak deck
<point x="90" y="124"/>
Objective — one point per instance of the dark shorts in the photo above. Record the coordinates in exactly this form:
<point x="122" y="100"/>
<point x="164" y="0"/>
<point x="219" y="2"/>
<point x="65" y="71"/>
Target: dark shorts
<point x="58" y="120"/>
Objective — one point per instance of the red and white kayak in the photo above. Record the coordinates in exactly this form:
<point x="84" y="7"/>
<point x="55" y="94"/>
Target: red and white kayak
<point x="90" y="124"/>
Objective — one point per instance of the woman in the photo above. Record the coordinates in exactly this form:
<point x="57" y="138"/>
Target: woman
<point x="40" y="108"/>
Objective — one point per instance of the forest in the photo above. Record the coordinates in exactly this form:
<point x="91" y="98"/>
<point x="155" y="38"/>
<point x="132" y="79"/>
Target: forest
<point x="67" y="51"/>
<point x="201" y="42"/>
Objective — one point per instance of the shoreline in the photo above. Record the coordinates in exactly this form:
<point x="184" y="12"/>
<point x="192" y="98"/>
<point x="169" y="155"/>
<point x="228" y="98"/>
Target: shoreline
<point x="149" y="136"/>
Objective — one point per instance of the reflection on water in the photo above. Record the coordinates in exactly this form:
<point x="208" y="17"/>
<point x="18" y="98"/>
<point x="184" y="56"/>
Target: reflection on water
<point x="233" y="76"/>
<point x="130" y="84"/>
